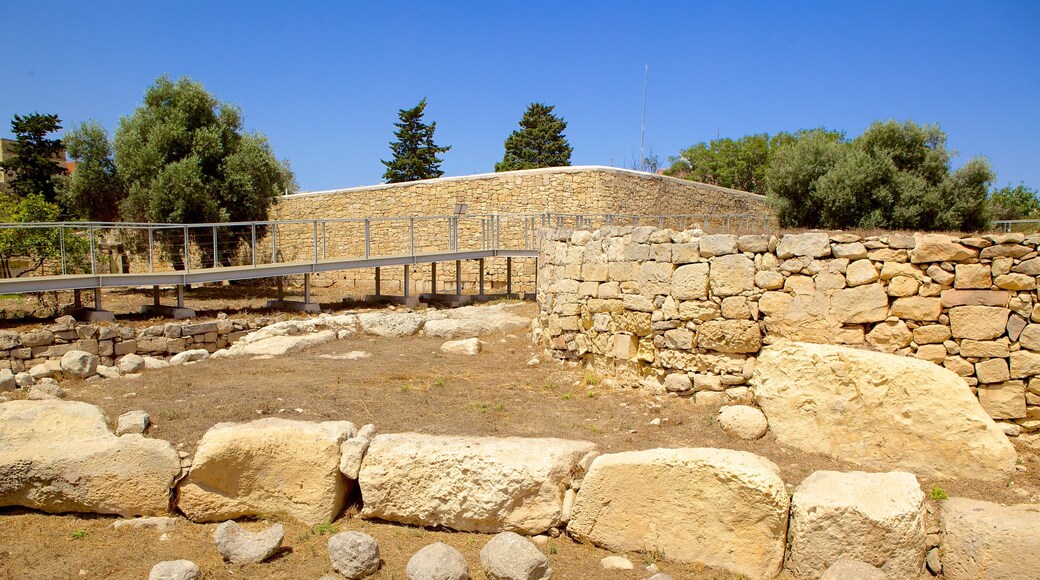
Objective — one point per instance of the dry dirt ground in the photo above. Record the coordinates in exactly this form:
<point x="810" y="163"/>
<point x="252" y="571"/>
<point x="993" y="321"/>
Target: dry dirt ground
<point x="406" y="385"/>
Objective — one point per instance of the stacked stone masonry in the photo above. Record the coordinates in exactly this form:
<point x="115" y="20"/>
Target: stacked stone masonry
<point x="687" y="312"/>
<point x="564" y="190"/>
<point x="20" y="351"/>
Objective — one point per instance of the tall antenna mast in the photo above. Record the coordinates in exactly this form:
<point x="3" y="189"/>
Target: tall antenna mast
<point x="642" y="134"/>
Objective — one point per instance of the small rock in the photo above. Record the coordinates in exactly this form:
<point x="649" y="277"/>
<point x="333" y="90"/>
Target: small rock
<point x="158" y="523"/>
<point x="437" y="562"/>
<point x="616" y="563"/>
<point x="152" y="363"/>
<point x="189" y="356"/>
<point x="240" y="546"/>
<point x="1010" y="429"/>
<point x="541" y="540"/>
<point x="79" y="364"/>
<point x="534" y="362"/>
<point x="354" y="554"/>
<point x="469" y="346"/>
<point x="46" y="391"/>
<point x="132" y="422"/>
<point x="933" y="562"/>
<point x="23" y="380"/>
<point x="846" y="569"/>
<point x="174" y="570"/>
<point x="352" y="452"/>
<point x="743" y="421"/>
<point x="7" y="379"/>
<point x="510" y="556"/>
<point x="107" y="372"/>
<point x="655" y="422"/>
<point x="661" y="576"/>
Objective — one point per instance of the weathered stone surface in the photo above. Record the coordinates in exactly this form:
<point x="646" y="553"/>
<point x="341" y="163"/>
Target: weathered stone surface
<point x="769" y="280"/>
<point x="79" y="364"/>
<point x="970" y="276"/>
<point x="939" y="248"/>
<point x="1003" y="400"/>
<point x="730" y="336"/>
<point x="1024" y="364"/>
<point x="890" y="336"/>
<point x="845" y="569"/>
<point x="861" y="304"/>
<point x="510" y="556"/>
<point x="355" y="555"/>
<point x="851" y="250"/>
<point x="986" y="540"/>
<point x="984" y="348"/>
<point x="978" y="322"/>
<point x="951" y="298"/>
<point x="267" y="467"/>
<point x="60" y="456"/>
<point x="390" y="324"/>
<point x="812" y="244"/>
<point x="481" y="484"/>
<point x="466" y="346"/>
<point x="880" y="411"/>
<point x="1030" y="337"/>
<point x="157" y="523"/>
<point x="437" y="561"/>
<point x="917" y="308"/>
<point x="931" y="334"/>
<point x="726" y="509"/>
<point x="875" y="518"/>
<point x="743" y="421"/>
<point x="1017" y="282"/>
<point x="731" y="275"/>
<point x="992" y="371"/>
<point x="690" y="282"/>
<point x="174" y="570"/>
<point x="280" y="345"/>
<point x="240" y="546"/>
<point x="192" y="355"/>
<point x="718" y="245"/>
<point x="132" y="422"/>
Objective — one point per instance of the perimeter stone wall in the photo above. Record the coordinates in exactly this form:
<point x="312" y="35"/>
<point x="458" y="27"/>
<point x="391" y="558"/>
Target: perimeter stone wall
<point x="569" y="190"/>
<point x="687" y="312"/>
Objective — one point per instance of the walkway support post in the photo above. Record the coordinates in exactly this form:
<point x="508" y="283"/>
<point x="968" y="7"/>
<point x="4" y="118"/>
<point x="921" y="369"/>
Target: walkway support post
<point x="458" y="277"/>
<point x="377" y="280"/>
<point x="480" y="276"/>
<point x="509" y="277"/>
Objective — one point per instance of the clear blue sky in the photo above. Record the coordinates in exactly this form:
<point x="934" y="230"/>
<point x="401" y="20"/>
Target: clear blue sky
<point x="324" y="81"/>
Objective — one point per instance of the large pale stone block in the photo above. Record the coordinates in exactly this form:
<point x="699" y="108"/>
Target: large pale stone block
<point x="812" y="244"/>
<point x="860" y="304"/>
<point x="880" y="411"/>
<point x="732" y="275"/>
<point x="917" y="308"/>
<point x="1024" y="364"/>
<point x="987" y="540"/>
<point x="939" y="248"/>
<point x="875" y="518"/>
<point x="992" y="371"/>
<point x="978" y="322"/>
<point x="951" y="298"/>
<point x="718" y="507"/>
<point x="971" y="276"/>
<point x="890" y="336"/>
<point x="270" y="466"/>
<point x="478" y="484"/>
<point x="1003" y="400"/>
<point x="718" y="245"/>
<point x="731" y="336"/>
<point x="690" y="282"/>
<point x="60" y="456"/>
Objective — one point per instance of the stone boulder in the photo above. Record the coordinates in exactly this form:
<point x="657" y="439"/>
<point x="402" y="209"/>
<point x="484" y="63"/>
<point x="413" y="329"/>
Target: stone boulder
<point x="510" y="556"/>
<point x="986" y="540"/>
<point x="437" y="561"/>
<point x="79" y="364"/>
<point x="466" y="346"/>
<point x="880" y="411"/>
<point x="240" y="546"/>
<point x="743" y="421"/>
<point x="391" y="324"/>
<point x="354" y="554"/>
<point x="451" y="328"/>
<point x="717" y="507"/>
<point x="280" y="345"/>
<point x="60" y="456"/>
<point x="268" y="467"/>
<point x="175" y="570"/>
<point x="479" y="484"/>
<point x="130" y="363"/>
<point x="877" y="518"/>
<point x="193" y="355"/>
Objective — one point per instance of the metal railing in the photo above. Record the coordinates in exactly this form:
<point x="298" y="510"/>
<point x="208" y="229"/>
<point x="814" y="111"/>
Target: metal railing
<point x="95" y="248"/>
<point x="1024" y="226"/>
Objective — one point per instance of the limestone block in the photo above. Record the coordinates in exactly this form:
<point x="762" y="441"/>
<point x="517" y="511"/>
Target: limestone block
<point x="637" y="302"/>
<point x="732" y="275"/>
<point x="718" y="245"/>
<point x="932" y="333"/>
<point x="769" y="280"/>
<point x="1029" y="267"/>
<point x="890" y="336"/>
<point x="800" y="285"/>
<point x="891" y="269"/>
<point x="726" y="509"/>
<point x="952" y="298"/>
<point x="736" y="307"/>
<point x="935" y="353"/>
<point x="679" y="338"/>
<point x="992" y="371"/>
<point x="701" y="310"/>
<point x="1017" y="282"/>
<point x="978" y="322"/>
<point x="655" y="272"/>
<point x="852" y="251"/>
<point x="743" y="421"/>
<point x="985" y="348"/>
<point x="1030" y="337"/>
<point x="1010" y="250"/>
<point x="939" y="248"/>
<point x="638" y="323"/>
<point x="690" y="282"/>
<point x="960" y="366"/>
<point x="917" y="308"/>
<point x="812" y="244"/>
<point x="754" y="243"/>
<point x="971" y="276"/>
<point x="479" y="484"/>
<point x="1003" y="400"/>
<point x="60" y="456"/>
<point x="879" y="411"/>
<point x="270" y="466"/>
<point x="860" y="304"/>
<point x="877" y="518"/>
<point x="730" y="336"/>
<point x="986" y="540"/>
<point x="940" y="276"/>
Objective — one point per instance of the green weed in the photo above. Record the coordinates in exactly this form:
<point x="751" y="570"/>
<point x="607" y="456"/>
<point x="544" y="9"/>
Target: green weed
<point x="938" y="494"/>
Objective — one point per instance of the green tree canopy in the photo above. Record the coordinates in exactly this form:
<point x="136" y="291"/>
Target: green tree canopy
<point x="37" y="160"/>
<point x="184" y="157"/>
<point x="539" y="142"/>
<point x="737" y="163"/>
<point x="895" y="175"/>
<point x="1014" y="203"/>
<point x="415" y="154"/>
<point x="94" y="190"/>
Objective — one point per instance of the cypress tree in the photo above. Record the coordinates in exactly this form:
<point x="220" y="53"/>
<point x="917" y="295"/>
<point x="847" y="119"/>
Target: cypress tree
<point x="539" y="142"/>
<point x="415" y="154"/>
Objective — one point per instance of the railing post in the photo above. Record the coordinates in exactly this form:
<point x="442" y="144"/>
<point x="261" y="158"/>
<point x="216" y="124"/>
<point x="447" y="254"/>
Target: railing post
<point x="93" y="263"/>
<point x="324" y="240"/>
<point x="274" y="244"/>
<point x="215" y="261"/>
<point x="252" y="244"/>
<point x="411" y="236"/>
<point x="455" y="234"/>
<point x="151" y="249"/>
<point x="61" y="239"/>
<point x="315" y="234"/>
<point x="368" y="239"/>
<point x="187" y="251"/>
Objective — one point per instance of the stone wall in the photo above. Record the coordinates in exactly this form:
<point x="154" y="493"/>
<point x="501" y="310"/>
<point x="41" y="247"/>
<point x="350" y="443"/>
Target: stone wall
<point x="687" y="312"/>
<point x="567" y="190"/>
